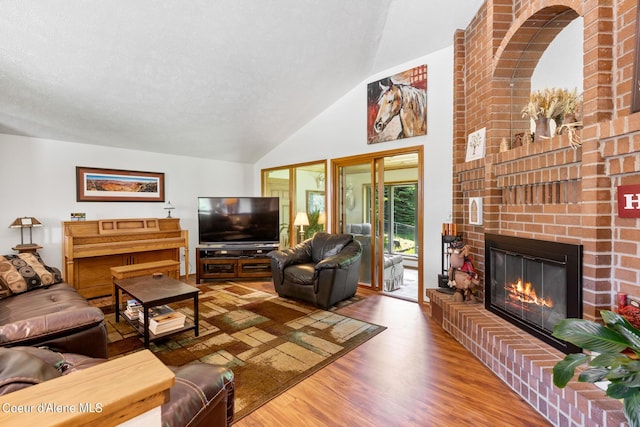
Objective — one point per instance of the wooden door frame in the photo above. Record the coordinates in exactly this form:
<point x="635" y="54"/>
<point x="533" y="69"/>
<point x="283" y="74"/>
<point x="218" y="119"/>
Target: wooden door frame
<point x="337" y="163"/>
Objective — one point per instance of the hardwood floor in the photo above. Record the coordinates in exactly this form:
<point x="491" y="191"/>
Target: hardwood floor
<point x="412" y="374"/>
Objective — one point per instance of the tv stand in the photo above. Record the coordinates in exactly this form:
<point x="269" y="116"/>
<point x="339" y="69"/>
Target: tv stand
<point x="222" y="262"/>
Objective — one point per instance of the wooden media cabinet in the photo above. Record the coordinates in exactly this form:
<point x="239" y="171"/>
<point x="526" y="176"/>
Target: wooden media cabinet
<point x="232" y="262"/>
<point x="91" y="248"/>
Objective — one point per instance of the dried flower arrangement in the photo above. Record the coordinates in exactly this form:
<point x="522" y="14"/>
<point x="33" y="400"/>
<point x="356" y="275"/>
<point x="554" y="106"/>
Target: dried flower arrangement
<point x="552" y="103"/>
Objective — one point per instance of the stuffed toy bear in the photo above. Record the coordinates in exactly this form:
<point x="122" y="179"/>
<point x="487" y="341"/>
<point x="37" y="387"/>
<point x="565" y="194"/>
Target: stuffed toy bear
<point x="462" y="275"/>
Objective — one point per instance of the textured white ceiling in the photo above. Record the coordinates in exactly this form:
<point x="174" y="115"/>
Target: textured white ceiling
<point x="220" y="79"/>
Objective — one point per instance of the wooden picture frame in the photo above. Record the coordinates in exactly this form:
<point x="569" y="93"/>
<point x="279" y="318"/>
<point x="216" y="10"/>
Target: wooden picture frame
<point x="315" y="201"/>
<point x="405" y="91"/>
<point x="476" y="145"/>
<point x="117" y="185"/>
<point x="475" y="210"/>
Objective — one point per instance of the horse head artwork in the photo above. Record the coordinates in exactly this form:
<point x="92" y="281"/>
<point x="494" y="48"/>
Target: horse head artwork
<point x="405" y="101"/>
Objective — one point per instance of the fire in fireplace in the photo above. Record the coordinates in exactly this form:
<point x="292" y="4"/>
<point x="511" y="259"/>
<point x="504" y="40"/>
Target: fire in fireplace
<point x="534" y="284"/>
<point x="526" y="294"/>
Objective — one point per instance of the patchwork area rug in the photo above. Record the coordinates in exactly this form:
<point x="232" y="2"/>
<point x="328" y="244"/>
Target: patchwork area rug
<point x="270" y="343"/>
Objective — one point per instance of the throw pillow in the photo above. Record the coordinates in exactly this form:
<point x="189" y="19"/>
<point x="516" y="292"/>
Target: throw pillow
<point x="25" y="272"/>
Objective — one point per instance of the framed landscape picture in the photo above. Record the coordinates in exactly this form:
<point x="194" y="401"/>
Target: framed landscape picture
<point x="115" y="185"/>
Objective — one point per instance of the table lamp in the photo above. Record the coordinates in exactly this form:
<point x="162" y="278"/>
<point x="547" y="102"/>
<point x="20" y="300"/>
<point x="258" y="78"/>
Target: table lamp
<point x="22" y="223"/>
<point x="301" y="220"/>
<point x="169" y="207"/>
<point x="322" y="219"/>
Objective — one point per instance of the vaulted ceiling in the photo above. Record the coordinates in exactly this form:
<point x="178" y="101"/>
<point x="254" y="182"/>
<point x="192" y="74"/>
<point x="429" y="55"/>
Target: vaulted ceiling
<point x="219" y="79"/>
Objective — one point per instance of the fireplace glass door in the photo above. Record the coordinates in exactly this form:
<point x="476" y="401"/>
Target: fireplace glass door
<point x="530" y="289"/>
<point x="534" y="284"/>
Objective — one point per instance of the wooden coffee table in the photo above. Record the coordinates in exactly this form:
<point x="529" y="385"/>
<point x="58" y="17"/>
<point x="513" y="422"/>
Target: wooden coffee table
<point x="152" y="291"/>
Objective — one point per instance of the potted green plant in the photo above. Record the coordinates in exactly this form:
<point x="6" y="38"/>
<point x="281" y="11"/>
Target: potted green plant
<point x="313" y="226"/>
<point x="616" y="352"/>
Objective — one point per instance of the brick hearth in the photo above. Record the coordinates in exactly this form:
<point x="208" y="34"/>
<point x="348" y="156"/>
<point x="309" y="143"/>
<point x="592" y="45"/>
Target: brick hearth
<point x="525" y="364"/>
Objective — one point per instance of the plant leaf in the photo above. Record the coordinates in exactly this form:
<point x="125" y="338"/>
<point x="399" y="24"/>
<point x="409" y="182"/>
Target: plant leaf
<point x="632" y="408"/>
<point x="563" y="370"/>
<point x="632" y="381"/>
<point x="611" y="360"/>
<point x="593" y="375"/>
<point x="590" y="335"/>
<point x="623" y="327"/>
<point x="619" y="391"/>
<point x="618" y="374"/>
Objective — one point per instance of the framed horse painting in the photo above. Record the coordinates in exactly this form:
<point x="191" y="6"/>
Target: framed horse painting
<point x="397" y="106"/>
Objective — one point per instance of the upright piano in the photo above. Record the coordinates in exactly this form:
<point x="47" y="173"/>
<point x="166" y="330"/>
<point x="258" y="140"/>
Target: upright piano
<point x="91" y="248"/>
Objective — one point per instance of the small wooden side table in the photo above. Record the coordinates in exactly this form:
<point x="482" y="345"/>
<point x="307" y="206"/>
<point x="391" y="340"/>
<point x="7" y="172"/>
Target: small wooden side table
<point x="152" y="291"/>
<point x="27" y="249"/>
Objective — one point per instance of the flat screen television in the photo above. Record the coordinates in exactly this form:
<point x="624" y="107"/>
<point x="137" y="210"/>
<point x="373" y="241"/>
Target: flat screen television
<point x="238" y="220"/>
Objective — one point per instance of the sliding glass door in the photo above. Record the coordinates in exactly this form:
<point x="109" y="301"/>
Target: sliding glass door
<point x="378" y="200"/>
<point x="354" y="213"/>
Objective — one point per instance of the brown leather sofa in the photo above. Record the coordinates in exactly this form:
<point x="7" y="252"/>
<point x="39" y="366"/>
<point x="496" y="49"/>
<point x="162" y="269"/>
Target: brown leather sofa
<point x="322" y="270"/>
<point x="203" y="394"/>
<point x="54" y="316"/>
<point x="37" y="308"/>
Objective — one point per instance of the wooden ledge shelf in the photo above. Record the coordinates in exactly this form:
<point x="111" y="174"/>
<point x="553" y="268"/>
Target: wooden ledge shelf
<point x="104" y="395"/>
<point x="555" y="143"/>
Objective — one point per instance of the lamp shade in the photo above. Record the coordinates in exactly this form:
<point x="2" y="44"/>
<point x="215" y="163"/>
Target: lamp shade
<point x="301" y="219"/>
<point x="322" y="218"/>
<point x="22" y="223"/>
<point x="25" y="222"/>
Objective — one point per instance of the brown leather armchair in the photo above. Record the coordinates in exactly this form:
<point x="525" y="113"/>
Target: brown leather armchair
<point x="322" y="270"/>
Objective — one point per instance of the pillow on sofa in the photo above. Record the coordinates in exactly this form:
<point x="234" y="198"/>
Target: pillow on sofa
<point x="25" y="272"/>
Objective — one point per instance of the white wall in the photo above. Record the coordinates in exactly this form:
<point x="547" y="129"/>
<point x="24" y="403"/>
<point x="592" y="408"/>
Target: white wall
<point x="38" y="179"/>
<point x="340" y="131"/>
<point x="561" y="63"/>
<point x="38" y="175"/>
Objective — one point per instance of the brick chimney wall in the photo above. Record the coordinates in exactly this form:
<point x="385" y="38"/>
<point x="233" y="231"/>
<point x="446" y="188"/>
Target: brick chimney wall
<point x="550" y="190"/>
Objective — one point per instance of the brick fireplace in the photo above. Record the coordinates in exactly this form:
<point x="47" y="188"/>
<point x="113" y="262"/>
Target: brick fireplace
<point x="533" y="284"/>
<point x="549" y="190"/>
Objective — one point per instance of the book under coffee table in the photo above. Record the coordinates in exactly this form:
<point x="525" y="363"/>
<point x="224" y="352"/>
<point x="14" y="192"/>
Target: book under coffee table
<point x="153" y="291"/>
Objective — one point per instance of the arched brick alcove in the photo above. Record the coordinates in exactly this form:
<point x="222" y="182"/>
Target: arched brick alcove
<point x="515" y="62"/>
